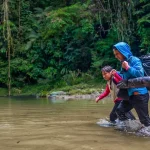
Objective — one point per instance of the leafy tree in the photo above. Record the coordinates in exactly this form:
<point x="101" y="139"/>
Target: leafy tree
<point x="143" y="24"/>
<point x="50" y="40"/>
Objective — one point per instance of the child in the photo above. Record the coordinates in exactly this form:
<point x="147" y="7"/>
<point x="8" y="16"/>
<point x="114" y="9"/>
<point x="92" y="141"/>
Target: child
<point x="112" y="78"/>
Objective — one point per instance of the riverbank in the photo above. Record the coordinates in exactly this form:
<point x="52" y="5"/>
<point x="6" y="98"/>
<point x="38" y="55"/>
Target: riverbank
<point x="89" y="90"/>
<point x="79" y="91"/>
<point x="60" y="95"/>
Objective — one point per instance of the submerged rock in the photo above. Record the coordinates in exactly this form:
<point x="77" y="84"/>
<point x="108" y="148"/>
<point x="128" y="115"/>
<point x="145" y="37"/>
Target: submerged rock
<point x="129" y="126"/>
<point x="135" y="127"/>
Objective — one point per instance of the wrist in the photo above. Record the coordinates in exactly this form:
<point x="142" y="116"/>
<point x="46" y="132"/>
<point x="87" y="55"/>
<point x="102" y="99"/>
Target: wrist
<point x="127" y="68"/>
<point x="97" y="99"/>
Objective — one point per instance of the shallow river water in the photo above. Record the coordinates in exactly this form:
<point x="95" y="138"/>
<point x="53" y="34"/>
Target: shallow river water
<point x="42" y="124"/>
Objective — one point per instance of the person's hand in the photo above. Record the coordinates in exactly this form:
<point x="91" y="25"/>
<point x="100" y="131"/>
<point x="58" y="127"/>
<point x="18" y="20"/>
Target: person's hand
<point x="97" y="99"/>
<point x="125" y="65"/>
<point x="113" y="72"/>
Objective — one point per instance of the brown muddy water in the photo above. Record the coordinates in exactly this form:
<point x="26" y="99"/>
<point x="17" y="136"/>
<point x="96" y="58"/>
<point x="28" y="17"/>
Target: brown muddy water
<point x="42" y="124"/>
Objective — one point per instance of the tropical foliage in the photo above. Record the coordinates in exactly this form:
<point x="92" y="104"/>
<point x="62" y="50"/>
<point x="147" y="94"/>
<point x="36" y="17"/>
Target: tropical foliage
<point x="43" y="42"/>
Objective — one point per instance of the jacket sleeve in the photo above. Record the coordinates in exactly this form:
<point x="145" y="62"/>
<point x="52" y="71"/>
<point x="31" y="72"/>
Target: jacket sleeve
<point x="116" y="78"/>
<point x="136" y="69"/>
<point x="105" y="93"/>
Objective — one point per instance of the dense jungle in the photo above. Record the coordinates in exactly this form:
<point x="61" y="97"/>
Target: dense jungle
<point x="62" y="44"/>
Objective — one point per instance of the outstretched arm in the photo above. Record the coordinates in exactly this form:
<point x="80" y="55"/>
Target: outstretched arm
<point x="104" y="94"/>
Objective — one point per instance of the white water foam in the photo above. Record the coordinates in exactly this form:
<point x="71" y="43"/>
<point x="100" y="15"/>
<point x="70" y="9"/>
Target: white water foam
<point x="129" y="126"/>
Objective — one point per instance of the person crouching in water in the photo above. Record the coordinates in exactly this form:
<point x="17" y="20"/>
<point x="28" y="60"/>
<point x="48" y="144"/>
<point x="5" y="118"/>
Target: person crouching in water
<point x="112" y="78"/>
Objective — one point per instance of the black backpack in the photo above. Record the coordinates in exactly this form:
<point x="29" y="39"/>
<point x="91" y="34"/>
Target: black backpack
<point x="123" y="85"/>
<point x="145" y="59"/>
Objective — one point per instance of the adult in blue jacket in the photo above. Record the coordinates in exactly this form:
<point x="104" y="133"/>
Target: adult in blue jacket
<point x="131" y="67"/>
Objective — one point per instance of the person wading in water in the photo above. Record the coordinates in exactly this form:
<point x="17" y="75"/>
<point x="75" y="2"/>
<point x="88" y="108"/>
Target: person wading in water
<point x="112" y="78"/>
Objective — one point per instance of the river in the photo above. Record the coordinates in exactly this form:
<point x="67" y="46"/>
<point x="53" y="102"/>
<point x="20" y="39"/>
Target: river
<point x="40" y="124"/>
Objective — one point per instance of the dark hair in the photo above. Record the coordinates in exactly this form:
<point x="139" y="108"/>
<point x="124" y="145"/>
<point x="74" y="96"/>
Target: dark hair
<point x="107" y="69"/>
<point x="114" y="48"/>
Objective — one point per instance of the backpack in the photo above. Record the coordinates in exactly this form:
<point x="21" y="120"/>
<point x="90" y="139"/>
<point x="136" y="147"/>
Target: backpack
<point x="145" y="59"/>
<point x="123" y="85"/>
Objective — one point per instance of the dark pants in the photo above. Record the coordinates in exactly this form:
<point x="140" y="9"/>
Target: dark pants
<point x="140" y="104"/>
<point x="114" y="116"/>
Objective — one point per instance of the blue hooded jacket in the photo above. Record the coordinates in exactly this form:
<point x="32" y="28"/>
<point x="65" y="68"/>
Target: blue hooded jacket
<point x="135" y="70"/>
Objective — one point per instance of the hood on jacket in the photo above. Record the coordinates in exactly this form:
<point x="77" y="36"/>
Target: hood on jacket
<point x="124" y="49"/>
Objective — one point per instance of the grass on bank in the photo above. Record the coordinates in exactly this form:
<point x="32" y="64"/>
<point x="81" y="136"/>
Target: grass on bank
<point x="72" y="83"/>
<point x="42" y="90"/>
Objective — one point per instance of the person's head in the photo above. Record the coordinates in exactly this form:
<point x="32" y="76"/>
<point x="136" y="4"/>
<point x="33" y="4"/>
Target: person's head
<point x="118" y="55"/>
<point x="106" y="72"/>
<point x="122" y="51"/>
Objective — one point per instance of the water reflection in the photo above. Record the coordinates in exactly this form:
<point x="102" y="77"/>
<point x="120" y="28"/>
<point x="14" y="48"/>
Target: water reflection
<point x="42" y="124"/>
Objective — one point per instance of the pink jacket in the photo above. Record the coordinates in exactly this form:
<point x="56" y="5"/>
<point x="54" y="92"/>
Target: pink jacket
<point x="115" y="79"/>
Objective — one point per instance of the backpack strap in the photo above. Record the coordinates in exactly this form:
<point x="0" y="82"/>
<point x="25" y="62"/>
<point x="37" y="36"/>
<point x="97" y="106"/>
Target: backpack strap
<point x="145" y="59"/>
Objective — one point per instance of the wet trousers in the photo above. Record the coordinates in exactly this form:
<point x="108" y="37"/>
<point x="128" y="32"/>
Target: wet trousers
<point x="139" y="103"/>
<point x="113" y="115"/>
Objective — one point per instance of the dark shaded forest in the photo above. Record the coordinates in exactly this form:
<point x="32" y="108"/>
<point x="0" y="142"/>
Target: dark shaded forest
<point x="50" y="42"/>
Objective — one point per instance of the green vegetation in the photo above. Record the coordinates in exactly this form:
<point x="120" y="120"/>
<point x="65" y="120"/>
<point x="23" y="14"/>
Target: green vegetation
<point x="85" y="84"/>
<point x="61" y="45"/>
